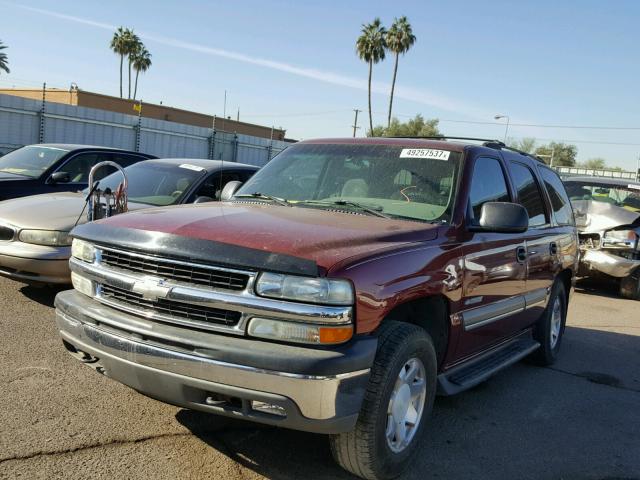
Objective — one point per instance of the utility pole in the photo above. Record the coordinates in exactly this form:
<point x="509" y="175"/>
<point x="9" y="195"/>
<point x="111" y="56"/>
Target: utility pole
<point x="638" y="170"/>
<point x="553" y="151"/>
<point x="355" y="122"/>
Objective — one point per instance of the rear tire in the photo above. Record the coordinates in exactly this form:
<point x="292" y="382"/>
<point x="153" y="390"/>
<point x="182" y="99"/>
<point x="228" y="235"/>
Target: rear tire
<point x="630" y="286"/>
<point x="550" y="327"/>
<point x="396" y="406"/>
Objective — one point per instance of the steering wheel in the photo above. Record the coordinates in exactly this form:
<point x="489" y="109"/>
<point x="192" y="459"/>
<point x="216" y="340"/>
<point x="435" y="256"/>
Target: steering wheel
<point x="176" y="193"/>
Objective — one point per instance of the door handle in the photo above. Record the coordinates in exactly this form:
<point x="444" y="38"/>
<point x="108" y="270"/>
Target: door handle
<point x="553" y="248"/>
<point x="521" y="254"/>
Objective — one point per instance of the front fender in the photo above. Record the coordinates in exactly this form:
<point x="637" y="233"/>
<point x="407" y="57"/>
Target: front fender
<point x="384" y="281"/>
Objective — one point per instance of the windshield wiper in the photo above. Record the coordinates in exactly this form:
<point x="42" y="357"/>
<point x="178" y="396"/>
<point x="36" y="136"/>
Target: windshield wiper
<point x="371" y="210"/>
<point x="264" y="196"/>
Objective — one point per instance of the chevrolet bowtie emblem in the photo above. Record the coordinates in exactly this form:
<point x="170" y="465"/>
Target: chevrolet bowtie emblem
<point x="151" y="288"/>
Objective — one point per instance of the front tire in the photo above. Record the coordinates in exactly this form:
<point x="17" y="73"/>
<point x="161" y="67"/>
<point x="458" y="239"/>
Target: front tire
<point x="630" y="286"/>
<point x="397" y="404"/>
<point x="550" y="327"/>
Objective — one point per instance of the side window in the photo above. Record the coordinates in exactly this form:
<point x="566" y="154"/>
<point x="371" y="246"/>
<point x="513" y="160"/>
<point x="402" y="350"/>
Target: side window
<point x="79" y="166"/>
<point x="529" y="195"/>
<point x="123" y="159"/>
<point x="246" y="175"/>
<point x="487" y="184"/>
<point x="213" y="185"/>
<point x="558" y="195"/>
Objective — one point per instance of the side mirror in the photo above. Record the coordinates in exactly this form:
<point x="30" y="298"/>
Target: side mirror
<point x="502" y="217"/>
<point x="203" y="199"/>
<point x="59" y="177"/>
<point x="230" y="190"/>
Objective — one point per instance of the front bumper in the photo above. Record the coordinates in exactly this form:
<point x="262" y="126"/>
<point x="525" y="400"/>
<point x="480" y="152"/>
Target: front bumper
<point x="35" y="263"/>
<point x="608" y="263"/>
<point x="316" y="390"/>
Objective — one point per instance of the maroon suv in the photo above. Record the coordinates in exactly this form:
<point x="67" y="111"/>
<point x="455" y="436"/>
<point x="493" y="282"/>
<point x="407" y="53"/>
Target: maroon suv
<point x="337" y="291"/>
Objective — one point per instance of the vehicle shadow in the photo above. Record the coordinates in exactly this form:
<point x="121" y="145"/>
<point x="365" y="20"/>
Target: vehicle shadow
<point x="272" y="452"/>
<point x="482" y="433"/>
<point x="598" y="287"/>
<point x="44" y="295"/>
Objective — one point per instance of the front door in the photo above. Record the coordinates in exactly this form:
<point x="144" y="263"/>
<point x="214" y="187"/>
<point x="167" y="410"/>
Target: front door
<point x="494" y="268"/>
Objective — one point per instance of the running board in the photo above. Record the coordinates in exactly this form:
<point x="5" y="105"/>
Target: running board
<point x="477" y="370"/>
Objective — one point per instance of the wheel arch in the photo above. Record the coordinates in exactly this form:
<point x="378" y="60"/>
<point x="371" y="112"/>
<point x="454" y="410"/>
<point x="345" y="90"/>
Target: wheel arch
<point x="566" y="277"/>
<point x="430" y="313"/>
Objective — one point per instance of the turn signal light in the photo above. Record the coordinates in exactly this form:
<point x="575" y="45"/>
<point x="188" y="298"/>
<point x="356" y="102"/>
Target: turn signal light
<point x="299" y="332"/>
<point x="335" y="334"/>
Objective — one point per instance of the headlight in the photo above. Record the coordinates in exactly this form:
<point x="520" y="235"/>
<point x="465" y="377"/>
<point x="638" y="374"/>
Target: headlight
<point x="83" y="250"/>
<point x="305" y="289"/>
<point x="620" y="238"/>
<point x="49" y="238"/>
<point x="299" y="332"/>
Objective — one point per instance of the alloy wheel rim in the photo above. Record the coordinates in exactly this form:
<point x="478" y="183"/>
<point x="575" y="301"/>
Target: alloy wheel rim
<point x="406" y="405"/>
<point x="556" y="322"/>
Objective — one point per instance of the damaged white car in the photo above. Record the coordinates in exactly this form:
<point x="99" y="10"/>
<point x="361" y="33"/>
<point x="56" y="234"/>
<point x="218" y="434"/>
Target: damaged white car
<point x="607" y="213"/>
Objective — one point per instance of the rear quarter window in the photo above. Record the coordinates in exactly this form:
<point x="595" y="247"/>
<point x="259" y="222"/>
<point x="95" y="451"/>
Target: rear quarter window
<point x="560" y="203"/>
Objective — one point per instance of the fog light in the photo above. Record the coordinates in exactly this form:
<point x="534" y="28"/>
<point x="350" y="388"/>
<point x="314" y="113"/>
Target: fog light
<point x="268" y="408"/>
<point x="82" y="285"/>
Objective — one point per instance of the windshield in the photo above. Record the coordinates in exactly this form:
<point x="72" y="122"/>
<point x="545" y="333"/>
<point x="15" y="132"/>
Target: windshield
<point x="155" y="183"/>
<point x="627" y="197"/>
<point x="31" y="161"/>
<point x="413" y="183"/>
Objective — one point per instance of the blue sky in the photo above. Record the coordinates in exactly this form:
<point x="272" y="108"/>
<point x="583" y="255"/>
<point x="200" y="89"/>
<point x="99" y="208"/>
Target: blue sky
<point x="293" y="64"/>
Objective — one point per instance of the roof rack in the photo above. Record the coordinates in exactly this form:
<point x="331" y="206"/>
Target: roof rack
<point x="487" y="142"/>
<point x="447" y="137"/>
<point x="521" y="152"/>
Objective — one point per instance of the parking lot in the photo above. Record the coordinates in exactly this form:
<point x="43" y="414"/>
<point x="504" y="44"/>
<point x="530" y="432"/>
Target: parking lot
<point x="578" y="419"/>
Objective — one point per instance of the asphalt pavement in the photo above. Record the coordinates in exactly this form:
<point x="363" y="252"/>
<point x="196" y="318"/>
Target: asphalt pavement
<point x="579" y="419"/>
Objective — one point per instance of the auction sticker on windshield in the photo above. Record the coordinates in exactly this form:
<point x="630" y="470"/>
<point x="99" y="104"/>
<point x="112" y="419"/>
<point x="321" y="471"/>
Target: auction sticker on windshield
<point x="425" y="153"/>
<point x="195" y="168"/>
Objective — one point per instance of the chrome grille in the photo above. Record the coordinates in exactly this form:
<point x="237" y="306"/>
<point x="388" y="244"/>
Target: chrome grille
<point x="175" y="270"/>
<point x="6" y="233"/>
<point x="178" y="310"/>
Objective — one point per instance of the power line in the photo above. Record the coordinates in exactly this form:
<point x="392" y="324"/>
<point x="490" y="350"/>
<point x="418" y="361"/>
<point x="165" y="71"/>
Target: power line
<point x="22" y="82"/>
<point x="539" y="125"/>
<point x="304" y="114"/>
<point x="595" y="142"/>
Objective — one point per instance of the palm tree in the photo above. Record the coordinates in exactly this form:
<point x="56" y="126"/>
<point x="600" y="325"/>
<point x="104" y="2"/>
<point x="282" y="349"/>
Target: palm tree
<point x="133" y="46"/>
<point x="141" y="63"/>
<point x="399" y="39"/>
<point x="119" y="47"/>
<point x="4" y="62"/>
<point x="370" y="48"/>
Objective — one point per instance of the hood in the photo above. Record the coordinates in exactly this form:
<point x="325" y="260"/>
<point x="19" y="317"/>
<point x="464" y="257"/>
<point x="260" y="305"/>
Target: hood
<point x="593" y="216"/>
<point x="51" y="211"/>
<point x="325" y="237"/>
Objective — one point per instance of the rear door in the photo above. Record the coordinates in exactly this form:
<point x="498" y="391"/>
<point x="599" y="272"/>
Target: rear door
<point x="564" y="239"/>
<point x="540" y="240"/>
<point x="494" y="267"/>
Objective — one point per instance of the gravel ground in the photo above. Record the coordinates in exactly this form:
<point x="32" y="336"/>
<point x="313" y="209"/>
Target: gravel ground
<point x="579" y="419"/>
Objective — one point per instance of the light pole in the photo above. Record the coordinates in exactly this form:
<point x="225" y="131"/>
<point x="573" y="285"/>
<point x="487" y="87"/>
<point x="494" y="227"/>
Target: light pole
<point x="506" y="130"/>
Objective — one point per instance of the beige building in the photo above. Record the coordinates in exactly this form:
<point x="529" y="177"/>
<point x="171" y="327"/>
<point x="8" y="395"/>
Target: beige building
<point x="83" y="98"/>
